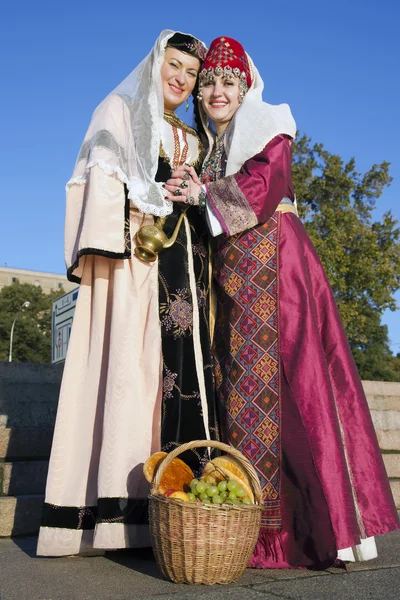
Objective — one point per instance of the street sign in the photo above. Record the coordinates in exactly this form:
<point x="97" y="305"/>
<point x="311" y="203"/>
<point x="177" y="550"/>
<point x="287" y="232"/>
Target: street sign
<point x="61" y="323"/>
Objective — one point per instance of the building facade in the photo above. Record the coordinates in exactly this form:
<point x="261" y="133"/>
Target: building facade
<point x="47" y="281"/>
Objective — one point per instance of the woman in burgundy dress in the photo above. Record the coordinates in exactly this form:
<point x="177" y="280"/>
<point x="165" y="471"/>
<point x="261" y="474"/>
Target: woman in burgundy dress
<point x="289" y="389"/>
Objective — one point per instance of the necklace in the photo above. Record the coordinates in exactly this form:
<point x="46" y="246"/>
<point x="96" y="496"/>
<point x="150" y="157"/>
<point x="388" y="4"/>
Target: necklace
<point x="175" y="121"/>
<point x="212" y="167"/>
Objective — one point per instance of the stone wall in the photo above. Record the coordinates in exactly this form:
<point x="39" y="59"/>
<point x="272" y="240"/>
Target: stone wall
<point x="384" y="403"/>
<point x="28" y="404"/>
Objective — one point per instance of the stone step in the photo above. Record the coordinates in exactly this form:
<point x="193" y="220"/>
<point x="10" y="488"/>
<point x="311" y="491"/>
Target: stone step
<point x="382" y="395"/>
<point x="389" y="440"/>
<point x="28" y="394"/>
<point x="20" y="515"/>
<point x="392" y="464"/>
<point x="25" y="442"/>
<point x="386" y="420"/>
<point x="22" y="478"/>
<point x="395" y="485"/>
<point x="376" y="402"/>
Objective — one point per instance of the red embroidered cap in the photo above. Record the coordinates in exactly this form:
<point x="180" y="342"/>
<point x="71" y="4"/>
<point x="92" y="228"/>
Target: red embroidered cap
<point x="226" y="57"/>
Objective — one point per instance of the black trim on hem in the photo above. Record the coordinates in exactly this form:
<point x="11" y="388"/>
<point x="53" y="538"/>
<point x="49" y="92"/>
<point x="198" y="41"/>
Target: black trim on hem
<point x="128" y="511"/>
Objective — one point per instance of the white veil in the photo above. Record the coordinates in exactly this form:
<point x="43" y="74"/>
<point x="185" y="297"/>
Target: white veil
<point x="254" y="125"/>
<point x="123" y="137"/>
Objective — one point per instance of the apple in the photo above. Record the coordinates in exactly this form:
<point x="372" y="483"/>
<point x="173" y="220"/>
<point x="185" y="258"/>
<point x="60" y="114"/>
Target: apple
<point x="180" y="496"/>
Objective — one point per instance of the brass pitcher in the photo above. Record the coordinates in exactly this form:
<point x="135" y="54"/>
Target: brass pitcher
<point x="151" y="239"/>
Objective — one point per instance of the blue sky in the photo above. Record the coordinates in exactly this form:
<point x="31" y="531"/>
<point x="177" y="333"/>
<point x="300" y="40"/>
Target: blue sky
<point x="335" y="63"/>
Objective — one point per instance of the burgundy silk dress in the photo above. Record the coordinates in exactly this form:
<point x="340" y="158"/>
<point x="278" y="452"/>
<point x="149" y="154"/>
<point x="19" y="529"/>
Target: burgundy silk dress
<point x="289" y="390"/>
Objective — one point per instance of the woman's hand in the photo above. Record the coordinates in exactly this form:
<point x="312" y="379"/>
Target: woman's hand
<point x="188" y="194"/>
<point x="184" y="186"/>
<point x="183" y="171"/>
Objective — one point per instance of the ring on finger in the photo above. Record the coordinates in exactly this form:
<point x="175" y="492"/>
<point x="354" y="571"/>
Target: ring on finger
<point x="177" y="192"/>
<point x="183" y="184"/>
<point x="186" y="175"/>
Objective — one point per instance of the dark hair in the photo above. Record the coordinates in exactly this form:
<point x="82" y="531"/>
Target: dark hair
<point x="198" y="124"/>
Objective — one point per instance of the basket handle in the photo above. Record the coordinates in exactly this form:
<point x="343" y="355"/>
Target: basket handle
<point x="255" y="483"/>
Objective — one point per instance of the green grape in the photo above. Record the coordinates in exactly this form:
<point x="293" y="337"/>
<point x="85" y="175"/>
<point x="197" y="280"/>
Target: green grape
<point x="232" y="496"/>
<point x="246" y="501"/>
<point x="228" y="502"/>
<point x="240" y="492"/>
<point x="216" y="499"/>
<point x="223" y="495"/>
<point x="206" y="501"/>
<point x="201" y="487"/>
<point x="232" y="485"/>
<point x="194" y="482"/>
<point x="203" y="496"/>
<point x="192" y="497"/>
<point x="212" y="490"/>
<point x="222" y="486"/>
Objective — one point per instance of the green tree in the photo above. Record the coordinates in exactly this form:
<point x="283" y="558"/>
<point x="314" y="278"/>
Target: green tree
<point x="32" y="332"/>
<point x="361" y="256"/>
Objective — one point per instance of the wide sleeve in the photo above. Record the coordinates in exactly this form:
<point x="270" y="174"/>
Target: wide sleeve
<point x="96" y="221"/>
<point x="249" y="197"/>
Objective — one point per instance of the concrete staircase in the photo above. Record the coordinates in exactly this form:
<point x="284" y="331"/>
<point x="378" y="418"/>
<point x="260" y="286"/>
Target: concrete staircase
<point x="384" y="403"/>
<point x="28" y="404"/>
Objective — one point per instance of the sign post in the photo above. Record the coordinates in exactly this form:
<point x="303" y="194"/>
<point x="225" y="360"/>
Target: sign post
<point x="62" y="315"/>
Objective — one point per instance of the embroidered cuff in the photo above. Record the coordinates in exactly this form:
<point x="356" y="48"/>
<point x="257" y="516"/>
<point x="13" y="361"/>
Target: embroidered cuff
<point x="230" y="205"/>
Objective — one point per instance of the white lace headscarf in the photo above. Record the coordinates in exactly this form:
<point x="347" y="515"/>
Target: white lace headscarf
<point x="254" y="124"/>
<point x="123" y="138"/>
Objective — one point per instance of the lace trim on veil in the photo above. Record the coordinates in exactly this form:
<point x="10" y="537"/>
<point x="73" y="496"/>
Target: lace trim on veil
<point x="113" y="170"/>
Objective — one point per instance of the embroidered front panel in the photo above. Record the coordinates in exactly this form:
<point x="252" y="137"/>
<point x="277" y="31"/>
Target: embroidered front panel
<point x="182" y="318"/>
<point x="247" y="355"/>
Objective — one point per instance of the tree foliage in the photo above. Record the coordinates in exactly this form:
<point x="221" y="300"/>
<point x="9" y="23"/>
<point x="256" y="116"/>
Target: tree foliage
<point x="32" y="331"/>
<point x="361" y="256"/>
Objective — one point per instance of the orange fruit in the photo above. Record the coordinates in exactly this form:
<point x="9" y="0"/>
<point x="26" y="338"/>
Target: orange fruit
<point x="177" y="475"/>
<point x="151" y="465"/>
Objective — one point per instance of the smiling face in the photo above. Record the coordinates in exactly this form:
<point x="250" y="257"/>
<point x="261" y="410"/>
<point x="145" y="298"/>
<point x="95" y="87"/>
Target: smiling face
<point x="179" y="75"/>
<point x="220" y="100"/>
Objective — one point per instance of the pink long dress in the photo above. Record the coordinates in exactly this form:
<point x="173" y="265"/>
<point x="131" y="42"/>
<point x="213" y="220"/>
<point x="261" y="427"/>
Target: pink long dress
<point x="291" y="395"/>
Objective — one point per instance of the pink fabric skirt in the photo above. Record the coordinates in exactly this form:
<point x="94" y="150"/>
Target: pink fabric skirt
<point x="334" y="488"/>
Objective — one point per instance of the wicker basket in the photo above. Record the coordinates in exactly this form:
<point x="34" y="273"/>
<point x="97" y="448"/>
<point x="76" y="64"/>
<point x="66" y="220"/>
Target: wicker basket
<point x="203" y="543"/>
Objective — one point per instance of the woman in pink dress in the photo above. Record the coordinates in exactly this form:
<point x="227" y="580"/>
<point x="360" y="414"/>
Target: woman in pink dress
<point x="290" y="393"/>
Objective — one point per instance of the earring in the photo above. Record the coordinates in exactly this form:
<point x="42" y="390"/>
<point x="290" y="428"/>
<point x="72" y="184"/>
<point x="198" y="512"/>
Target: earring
<point x="187" y="105"/>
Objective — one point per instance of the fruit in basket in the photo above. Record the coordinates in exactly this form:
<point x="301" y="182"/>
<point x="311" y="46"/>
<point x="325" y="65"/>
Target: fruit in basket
<point x="178" y="495"/>
<point x="229" y="492"/>
<point x="200" y="487"/>
<point x="151" y="465"/>
<point x="177" y="475"/>
<point x="223" y="468"/>
<point x="212" y="491"/>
